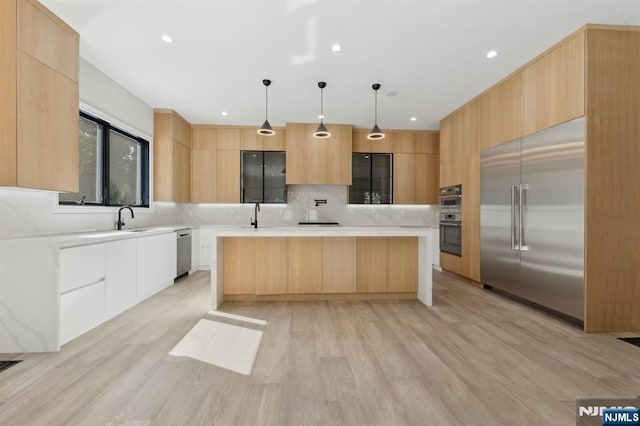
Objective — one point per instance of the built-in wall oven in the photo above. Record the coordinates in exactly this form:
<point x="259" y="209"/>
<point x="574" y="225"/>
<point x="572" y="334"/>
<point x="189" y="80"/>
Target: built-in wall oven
<point x="451" y="220"/>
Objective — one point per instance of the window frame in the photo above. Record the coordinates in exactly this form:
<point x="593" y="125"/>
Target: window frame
<point x="262" y="153"/>
<point x="144" y="160"/>
<point x="391" y="178"/>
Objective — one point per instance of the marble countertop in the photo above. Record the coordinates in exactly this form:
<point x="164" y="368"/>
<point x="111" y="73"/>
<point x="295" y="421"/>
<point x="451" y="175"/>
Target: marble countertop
<point x="322" y="231"/>
<point x="77" y="239"/>
<point x="68" y="240"/>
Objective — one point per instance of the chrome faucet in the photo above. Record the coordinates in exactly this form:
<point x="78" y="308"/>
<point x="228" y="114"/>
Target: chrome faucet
<point x="256" y="209"/>
<point x="120" y="221"/>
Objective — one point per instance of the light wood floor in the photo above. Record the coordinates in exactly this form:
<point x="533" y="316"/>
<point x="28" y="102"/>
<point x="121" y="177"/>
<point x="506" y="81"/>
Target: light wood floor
<point x="474" y="358"/>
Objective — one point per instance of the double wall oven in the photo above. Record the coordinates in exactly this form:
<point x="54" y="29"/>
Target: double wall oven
<point x="451" y="220"/>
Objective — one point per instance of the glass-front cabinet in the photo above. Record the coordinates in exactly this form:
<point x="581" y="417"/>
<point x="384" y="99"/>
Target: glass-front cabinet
<point x="263" y="177"/>
<point x="372" y="180"/>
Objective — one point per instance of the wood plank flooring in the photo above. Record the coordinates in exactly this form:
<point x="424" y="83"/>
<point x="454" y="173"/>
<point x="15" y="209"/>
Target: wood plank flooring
<point x="474" y="358"/>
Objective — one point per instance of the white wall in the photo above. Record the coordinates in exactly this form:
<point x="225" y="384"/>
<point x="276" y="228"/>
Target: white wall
<point x="33" y="212"/>
<point x="301" y="206"/>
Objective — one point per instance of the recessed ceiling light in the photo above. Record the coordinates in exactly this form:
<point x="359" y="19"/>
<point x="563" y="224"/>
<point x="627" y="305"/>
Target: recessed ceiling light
<point x="167" y="38"/>
<point x="225" y="113"/>
<point x="492" y="54"/>
<point x="413" y="119"/>
<point x="336" y="47"/>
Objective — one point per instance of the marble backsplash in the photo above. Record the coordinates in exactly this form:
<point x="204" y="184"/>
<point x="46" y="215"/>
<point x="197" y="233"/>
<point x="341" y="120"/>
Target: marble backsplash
<point x="27" y="212"/>
<point x="302" y="207"/>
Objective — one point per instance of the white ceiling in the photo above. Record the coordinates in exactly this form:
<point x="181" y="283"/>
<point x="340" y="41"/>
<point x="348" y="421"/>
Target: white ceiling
<point x="430" y="51"/>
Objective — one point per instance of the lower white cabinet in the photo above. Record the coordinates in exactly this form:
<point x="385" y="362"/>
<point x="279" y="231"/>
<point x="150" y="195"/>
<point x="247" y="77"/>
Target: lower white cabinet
<point x="100" y="281"/>
<point x="156" y="263"/>
<point x="81" y="310"/>
<point x="80" y="266"/>
<point x="122" y="265"/>
<point x="82" y="290"/>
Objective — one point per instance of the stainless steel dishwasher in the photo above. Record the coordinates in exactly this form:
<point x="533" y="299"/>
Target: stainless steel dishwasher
<point x="183" y="237"/>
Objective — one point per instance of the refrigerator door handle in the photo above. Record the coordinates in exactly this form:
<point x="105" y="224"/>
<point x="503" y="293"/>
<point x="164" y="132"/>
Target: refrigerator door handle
<point x="514" y="245"/>
<point x="521" y="203"/>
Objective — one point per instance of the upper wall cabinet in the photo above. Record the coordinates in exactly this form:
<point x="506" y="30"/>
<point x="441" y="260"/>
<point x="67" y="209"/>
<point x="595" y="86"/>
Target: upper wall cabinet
<point x="39" y="98"/>
<point x="171" y="157"/>
<point x="313" y="161"/>
<point x="554" y="86"/>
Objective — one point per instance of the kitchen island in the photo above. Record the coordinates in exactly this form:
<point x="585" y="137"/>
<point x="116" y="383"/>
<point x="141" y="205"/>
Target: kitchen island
<point x="321" y="263"/>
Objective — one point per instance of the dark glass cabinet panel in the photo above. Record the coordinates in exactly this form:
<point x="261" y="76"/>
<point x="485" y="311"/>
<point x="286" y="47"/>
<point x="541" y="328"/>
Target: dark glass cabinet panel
<point x="263" y="177"/>
<point x="372" y="180"/>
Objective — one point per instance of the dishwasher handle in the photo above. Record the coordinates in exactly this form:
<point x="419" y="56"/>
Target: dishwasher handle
<point x="183" y="233"/>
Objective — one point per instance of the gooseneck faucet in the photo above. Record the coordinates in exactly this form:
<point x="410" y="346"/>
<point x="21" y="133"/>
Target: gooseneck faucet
<point x="256" y="209"/>
<point x="120" y="221"/>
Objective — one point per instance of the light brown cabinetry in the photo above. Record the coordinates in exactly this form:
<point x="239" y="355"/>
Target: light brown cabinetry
<point x="204" y="141"/>
<point x="239" y="265"/>
<point x="227" y="176"/>
<point x="313" y="161"/>
<point x="305" y="265"/>
<point x="387" y="264"/>
<point x="272" y="262"/>
<point x="593" y="72"/>
<point x="372" y="264"/>
<point x="470" y="260"/>
<point x="402" y="269"/>
<point x="313" y="268"/>
<point x="172" y="157"/>
<point x="553" y="86"/>
<point x="39" y="90"/>
<point x="339" y="265"/>
<point x="415" y="166"/>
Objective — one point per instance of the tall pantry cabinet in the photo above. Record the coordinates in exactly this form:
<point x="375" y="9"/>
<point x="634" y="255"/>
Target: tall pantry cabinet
<point x="595" y="73"/>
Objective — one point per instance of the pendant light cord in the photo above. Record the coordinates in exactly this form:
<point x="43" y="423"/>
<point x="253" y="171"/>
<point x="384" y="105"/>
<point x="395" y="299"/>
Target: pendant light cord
<point x="266" y="103"/>
<point x="376" y="109"/>
<point x="321" y="105"/>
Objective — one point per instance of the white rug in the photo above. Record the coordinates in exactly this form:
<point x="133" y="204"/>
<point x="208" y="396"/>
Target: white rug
<point x="227" y="346"/>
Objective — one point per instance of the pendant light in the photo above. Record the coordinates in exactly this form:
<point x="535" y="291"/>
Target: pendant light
<point x="376" y="133"/>
<point x="265" y="129"/>
<point x="322" y="132"/>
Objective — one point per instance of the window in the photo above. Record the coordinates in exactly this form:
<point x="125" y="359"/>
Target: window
<point x="372" y="179"/>
<point x="263" y="177"/>
<point x="114" y="166"/>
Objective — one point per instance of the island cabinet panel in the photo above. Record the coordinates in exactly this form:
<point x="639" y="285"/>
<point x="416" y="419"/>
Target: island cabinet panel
<point x="305" y="265"/>
<point x="402" y="270"/>
<point x="339" y="265"/>
<point x="371" y="265"/>
<point x="272" y="260"/>
<point x="313" y="161"/>
<point x="239" y="265"/>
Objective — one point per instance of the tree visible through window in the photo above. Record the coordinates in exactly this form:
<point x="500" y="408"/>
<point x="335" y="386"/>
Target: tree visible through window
<point x="114" y="166"/>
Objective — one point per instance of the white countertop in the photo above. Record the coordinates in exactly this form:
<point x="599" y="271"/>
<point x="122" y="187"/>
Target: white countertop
<point x="87" y="238"/>
<point x="322" y="231"/>
<point x="77" y="239"/>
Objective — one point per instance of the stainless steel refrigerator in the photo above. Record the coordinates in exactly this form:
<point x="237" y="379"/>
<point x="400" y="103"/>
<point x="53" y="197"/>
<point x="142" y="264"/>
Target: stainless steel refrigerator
<point x="532" y="218"/>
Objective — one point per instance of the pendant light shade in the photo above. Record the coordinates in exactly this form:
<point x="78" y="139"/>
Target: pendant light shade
<point x="266" y="129"/>
<point x="322" y="131"/>
<point x="375" y="132"/>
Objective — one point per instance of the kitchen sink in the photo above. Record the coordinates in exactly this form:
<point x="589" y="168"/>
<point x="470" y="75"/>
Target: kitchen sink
<point x="318" y="223"/>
